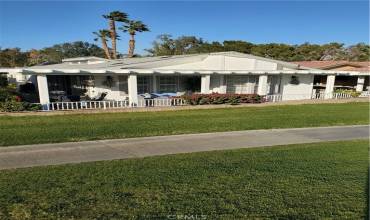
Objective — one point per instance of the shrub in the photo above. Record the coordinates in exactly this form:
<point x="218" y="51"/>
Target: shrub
<point x="348" y="91"/>
<point x="11" y="101"/>
<point x="215" y="98"/>
<point x="11" y="106"/>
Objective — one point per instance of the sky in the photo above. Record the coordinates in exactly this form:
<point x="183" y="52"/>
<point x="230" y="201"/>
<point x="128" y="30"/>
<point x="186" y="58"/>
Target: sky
<point x="37" y="24"/>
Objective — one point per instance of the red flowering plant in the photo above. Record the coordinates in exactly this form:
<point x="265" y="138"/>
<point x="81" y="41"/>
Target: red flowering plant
<point x="216" y="98"/>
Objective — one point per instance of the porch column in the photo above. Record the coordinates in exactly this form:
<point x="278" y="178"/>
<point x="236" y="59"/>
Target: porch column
<point x="262" y="85"/>
<point x="222" y="85"/>
<point x="329" y="89"/>
<point x="42" y="85"/>
<point x="360" y="83"/>
<point x="154" y="82"/>
<point x="205" y="83"/>
<point x="132" y="89"/>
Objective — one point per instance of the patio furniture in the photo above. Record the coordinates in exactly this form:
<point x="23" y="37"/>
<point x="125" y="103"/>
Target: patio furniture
<point x="100" y="97"/>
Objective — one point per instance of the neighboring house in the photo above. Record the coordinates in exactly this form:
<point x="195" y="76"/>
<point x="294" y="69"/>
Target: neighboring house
<point x="341" y="82"/>
<point x="224" y="72"/>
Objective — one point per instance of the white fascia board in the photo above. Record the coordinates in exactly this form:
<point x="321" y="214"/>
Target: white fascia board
<point x="11" y="70"/>
<point x="99" y="71"/>
<point x="68" y="70"/>
<point x="121" y="71"/>
<point x="143" y="71"/>
<point x="165" y="71"/>
<point x="37" y="71"/>
<point x="360" y="74"/>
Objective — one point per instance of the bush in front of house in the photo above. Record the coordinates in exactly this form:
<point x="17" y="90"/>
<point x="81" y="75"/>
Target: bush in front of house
<point x="216" y="98"/>
<point x="11" y="101"/>
<point x="348" y="91"/>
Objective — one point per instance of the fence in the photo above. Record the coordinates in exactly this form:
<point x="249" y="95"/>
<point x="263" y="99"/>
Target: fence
<point x="55" y="106"/>
<point x="365" y="94"/>
<point x="274" y="98"/>
<point x="322" y="95"/>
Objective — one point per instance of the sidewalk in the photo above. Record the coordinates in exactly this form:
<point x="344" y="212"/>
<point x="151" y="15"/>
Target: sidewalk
<point x="76" y="152"/>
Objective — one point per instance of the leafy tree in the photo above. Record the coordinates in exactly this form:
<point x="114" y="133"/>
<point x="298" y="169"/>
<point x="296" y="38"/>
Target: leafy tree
<point x="358" y="52"/>
<point x="13" y="57"/>
<point x="333" y="51"/>
<point x="163" y="45"/>
<point x="211" y="47"/>
<point x="103" y="35"/>
<point x="132" y="27"/>
<point x="274" y="51"/>
<point x="307" y="51"/>
<point x="166" y="45"/>
<point x="112" y="18"/>
<point x="238" y="45"/>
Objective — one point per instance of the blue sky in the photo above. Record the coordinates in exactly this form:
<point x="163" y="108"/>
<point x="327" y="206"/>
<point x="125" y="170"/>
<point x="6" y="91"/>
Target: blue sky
<point x="37" y="24"/>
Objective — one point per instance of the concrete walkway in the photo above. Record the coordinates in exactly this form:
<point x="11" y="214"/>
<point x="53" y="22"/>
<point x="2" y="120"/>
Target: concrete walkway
<point x="76" y="152"/>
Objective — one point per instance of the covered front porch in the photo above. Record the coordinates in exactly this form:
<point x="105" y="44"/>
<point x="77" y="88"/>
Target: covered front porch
<point x="133" y="89"/>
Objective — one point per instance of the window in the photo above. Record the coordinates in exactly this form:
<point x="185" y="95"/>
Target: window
<point x="168" y="83"/>
<point x="143" y="84"/>
<point x="241" y="84"/>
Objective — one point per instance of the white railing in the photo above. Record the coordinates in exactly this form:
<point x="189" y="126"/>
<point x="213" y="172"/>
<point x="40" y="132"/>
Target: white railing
<point x="341" y="96"/>
<point x="320" y="95"/>
<point x="55" y="106"/>
<point x="274" y="98"/>
<point x="81" y="105"/>
<point x="365" y="94"/>
<point x="160" y="102"/>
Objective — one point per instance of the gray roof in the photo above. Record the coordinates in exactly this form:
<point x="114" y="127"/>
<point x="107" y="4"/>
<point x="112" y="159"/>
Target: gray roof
<point x="152" y="62"/>
<point x="208" y="63"/>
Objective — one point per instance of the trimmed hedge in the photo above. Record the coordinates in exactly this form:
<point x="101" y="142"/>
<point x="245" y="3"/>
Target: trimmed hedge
<point x="216" y="98"/>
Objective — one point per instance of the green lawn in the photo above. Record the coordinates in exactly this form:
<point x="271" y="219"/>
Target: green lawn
<point x="62" y="128"/>
<point x="310" y="181"/>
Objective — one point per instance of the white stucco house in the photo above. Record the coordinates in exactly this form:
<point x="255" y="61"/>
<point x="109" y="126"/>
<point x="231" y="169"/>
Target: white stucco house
<point x="224" y="72"/>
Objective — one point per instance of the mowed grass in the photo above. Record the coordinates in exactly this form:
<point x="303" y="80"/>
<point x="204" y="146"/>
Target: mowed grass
<point x="63" y="128"/>
<point x="309" y="181"/>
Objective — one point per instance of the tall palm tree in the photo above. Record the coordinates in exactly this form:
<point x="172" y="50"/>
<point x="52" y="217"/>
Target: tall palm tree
<point x="103" y="35"/>
<point x="132" y="27"/>
<point x="113" y="17"/>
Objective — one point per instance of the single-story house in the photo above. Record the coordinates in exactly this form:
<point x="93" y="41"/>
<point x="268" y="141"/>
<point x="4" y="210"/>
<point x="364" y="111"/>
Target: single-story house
<point x="341" y="82"/>
<point x="223" y="72"/>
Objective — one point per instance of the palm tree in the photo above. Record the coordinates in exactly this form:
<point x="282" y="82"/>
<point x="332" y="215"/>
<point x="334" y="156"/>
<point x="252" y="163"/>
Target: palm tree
<point x="103" y="35"/>
<point x="113" y="17"/>
<point x="132" y="27"/>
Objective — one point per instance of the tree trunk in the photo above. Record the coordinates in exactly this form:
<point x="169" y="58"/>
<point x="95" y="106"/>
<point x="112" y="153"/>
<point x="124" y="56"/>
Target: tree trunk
<point x="113" y="36"/>
<point x="131" y="46"/>
<point x="105" y="47"/>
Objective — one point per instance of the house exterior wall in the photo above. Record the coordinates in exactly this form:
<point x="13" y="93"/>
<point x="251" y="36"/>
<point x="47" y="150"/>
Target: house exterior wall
<point x="303" y="90"/>
<point x="113" y="93"/>
<point x="19" y="78"/>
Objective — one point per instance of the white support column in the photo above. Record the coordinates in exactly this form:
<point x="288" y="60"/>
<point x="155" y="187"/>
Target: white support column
<point x="330" y="81"/>
<point x="223" y="88"/>
<point x="205" y="83"/>
<point x="262" y="85"/>
<point x="360" y="83"/>
<point x="132" y="89"/>
<point x="154" y="82"/>
<point x="42" y="85"/>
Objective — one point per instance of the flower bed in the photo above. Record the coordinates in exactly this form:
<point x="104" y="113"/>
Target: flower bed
<point x="216" y="98"/>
